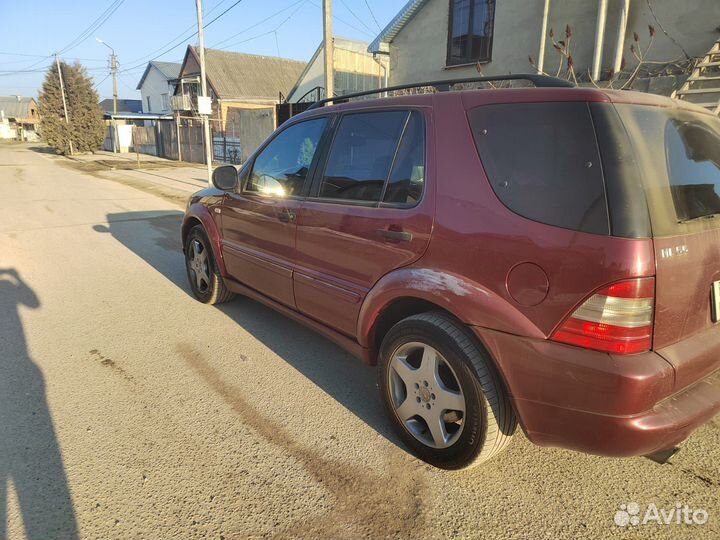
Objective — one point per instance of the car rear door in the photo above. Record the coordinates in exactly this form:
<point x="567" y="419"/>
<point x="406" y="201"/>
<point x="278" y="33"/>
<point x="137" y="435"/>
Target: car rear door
<point x="369" y="212"/>
<point x="259" y="222"/>
<point x="679" y="154"/>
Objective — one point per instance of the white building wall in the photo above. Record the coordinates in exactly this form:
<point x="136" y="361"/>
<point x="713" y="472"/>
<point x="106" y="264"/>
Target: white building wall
<point x="154" y="85"/>
<point x="314" y="77"/>
<point x="419" y="51"/>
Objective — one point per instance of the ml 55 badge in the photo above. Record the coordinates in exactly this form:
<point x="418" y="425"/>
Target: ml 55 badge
<point x="676" y="251"/>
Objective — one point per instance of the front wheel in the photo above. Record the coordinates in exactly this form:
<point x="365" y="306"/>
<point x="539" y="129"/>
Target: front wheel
<point x="206" y="282"/>
<point x="444" y="395"/>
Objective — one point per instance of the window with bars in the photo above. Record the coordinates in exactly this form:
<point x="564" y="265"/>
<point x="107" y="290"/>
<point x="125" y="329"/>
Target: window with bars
<point x="470" y="31"/>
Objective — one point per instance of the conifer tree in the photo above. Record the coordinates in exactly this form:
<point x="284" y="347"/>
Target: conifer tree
<point x="86" y="128"/>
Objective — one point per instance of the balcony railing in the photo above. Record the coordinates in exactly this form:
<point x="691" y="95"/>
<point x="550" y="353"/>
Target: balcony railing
<point x="183" y="102"/>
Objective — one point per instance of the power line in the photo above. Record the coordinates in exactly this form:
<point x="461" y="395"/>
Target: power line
<point x="223" y="13"/>
<point x="23" y="54"/>
<point x="21" y="71"/>
<point x="280" y="12"/>
<point x="345" y="22"/>
<point x="95" y="25"/>
<point x="180" y="35"/>
<point x="274" y="30"/>
<point x="182" y="42"/>
<point x="96" y="85"/>
<point x="344" y="3"/>
<point x="372" y="14"/>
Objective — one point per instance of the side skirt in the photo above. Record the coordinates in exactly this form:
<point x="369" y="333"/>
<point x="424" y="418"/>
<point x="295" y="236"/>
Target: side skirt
<point x="350" y="345"/>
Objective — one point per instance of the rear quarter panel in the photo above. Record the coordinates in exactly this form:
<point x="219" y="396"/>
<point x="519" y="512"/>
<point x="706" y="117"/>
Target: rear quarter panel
<point x="479" y="241"/>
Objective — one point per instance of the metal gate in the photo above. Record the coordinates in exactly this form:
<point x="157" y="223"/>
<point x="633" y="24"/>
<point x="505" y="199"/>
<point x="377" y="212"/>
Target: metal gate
<point x="250" y="127"/>
<point x="167" y="142"/>
<point x="192" y="148"/>
<point x="227" y="149"/>
<point x="285" y="111"/>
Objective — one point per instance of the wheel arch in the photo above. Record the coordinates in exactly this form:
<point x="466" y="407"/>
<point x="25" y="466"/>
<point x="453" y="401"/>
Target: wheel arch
<point x="410" y="291"/>
<point x="199" y="214"/>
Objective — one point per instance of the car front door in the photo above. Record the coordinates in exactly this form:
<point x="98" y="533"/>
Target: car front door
<point x="368" y="213"/>
<point x="259" y="221"/>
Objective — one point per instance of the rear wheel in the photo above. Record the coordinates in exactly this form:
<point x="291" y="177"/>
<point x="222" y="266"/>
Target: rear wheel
<point x="442" y="391"/>
<point x="206" y="282"/>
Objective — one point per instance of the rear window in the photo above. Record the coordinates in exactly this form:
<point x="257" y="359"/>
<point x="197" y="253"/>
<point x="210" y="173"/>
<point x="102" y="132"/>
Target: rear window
<point x="679" y="154"/>
<point x="543" y="162"/>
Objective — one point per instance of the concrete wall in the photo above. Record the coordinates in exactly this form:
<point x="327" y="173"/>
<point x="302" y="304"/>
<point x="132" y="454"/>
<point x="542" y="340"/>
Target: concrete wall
<point x="419" y="51"/>
<point x="154" y="85"/>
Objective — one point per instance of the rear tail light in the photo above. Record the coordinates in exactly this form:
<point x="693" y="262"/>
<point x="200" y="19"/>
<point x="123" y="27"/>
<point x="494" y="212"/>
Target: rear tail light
<point x="616" y="319"/>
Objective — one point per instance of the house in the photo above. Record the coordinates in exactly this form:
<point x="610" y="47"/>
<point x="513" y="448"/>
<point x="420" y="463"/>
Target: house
<point x="123" y="106"/>
<point x="157" y="84"/>
<point x="244" y="88"/>
<point x="446" y="39"/>
<point x="355" y="70"/>
<point x="18" y="118"/>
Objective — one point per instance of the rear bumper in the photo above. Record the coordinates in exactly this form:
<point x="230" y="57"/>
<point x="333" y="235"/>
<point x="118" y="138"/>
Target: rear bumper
<point x="598" y="403"/>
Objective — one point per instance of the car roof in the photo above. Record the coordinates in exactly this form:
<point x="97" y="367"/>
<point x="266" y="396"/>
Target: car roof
<point x="473" y="98"/>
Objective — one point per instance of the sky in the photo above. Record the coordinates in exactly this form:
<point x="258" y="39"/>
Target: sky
<point x="141" y="30"/>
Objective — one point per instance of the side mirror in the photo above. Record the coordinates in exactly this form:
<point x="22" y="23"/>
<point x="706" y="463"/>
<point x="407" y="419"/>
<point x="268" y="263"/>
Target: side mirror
<point x="225" y="178"/>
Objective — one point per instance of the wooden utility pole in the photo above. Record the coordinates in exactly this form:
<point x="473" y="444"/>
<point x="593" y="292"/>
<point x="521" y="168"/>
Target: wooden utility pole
<point x="62" y="92"/>
<point x="204" y="93"/>
<point x="329" y="49"/>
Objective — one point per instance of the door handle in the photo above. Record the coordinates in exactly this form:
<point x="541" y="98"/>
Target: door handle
<point x="286" y="216"/>
<point x="395" y="236"/>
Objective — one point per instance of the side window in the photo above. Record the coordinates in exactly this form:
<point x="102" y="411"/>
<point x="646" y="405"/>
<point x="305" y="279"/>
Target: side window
<point x="362" y="155"/>
<point x="407" y="178"/>
<point x="281" y="169"/>
<point x="543" y="162"/>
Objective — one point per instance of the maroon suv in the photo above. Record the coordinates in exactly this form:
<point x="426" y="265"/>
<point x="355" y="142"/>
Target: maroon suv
<point x="548" y="256"/>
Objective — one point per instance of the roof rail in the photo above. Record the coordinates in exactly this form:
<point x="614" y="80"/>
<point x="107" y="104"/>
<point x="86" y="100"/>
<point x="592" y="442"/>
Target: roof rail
<point x="540" y="81"/>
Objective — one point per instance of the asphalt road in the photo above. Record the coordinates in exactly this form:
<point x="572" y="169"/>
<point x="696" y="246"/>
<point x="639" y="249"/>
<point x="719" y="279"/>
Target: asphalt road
<point x="128" y="410"/>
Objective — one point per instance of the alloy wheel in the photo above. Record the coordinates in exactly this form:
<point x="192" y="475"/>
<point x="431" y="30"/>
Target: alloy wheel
<point x="426" y="395"/>
<point x="199" y="266"/>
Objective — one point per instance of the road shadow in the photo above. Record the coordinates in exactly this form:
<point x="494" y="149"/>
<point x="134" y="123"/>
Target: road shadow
<point x="155" y="237"/>
<point x="44" y="150"/>
<point x="30" y="457"/>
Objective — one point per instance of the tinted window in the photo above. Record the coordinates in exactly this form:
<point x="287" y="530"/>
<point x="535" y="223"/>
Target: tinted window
<point x="693" y="156"/>
<point x="679" y="153"/>
<point x="361" y="156"/>
<point x="471" y="31"/>
<point x="543" y="162"/>
<point x="281" y="169"/>
<point x="408" y="175"/>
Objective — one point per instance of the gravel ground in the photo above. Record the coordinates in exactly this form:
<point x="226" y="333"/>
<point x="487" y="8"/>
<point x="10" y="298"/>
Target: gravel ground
<point x="128" y="410"/>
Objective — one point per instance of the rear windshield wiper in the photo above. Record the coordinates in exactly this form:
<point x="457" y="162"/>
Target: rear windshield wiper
<point x="698" y="218"/>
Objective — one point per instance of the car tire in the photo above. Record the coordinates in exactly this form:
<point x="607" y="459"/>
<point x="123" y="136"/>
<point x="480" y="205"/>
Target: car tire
<point x="206" y="282"/>
<point x="433" y="371"/>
